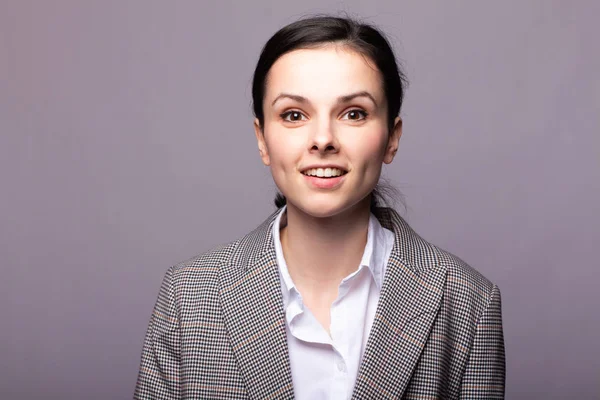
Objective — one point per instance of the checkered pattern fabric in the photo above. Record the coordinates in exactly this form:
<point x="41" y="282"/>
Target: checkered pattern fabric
<point x="218" y="327"/>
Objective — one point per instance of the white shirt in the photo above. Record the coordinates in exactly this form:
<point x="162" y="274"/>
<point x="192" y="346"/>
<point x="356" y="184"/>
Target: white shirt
<point x="325" y="367"/>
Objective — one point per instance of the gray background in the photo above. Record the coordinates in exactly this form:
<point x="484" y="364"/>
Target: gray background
<point x="126" y="145"/>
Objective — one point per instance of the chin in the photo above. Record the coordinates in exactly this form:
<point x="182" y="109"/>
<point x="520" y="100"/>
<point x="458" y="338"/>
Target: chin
<point x="326" y="208"/>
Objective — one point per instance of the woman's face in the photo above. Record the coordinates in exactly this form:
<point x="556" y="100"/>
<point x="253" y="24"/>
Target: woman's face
<point x="325" y="131"/>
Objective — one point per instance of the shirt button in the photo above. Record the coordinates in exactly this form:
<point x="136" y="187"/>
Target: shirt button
<point x="341" y="366"/>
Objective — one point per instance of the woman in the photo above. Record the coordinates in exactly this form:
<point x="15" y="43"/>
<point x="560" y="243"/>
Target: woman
<point x="332" y="297"/>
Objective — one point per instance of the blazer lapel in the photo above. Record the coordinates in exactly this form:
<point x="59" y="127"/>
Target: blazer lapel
<point x="410" y="298"/>
<point x="252" y="304"/>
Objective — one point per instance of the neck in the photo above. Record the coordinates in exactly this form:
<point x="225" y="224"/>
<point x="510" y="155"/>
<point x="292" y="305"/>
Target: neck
<point x="320" y="252"/>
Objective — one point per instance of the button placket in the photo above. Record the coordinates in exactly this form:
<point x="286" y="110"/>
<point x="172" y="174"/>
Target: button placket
<point x="339" y="383"/>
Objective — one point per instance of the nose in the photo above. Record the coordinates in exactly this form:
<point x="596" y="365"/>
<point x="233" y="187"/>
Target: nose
<point x="324" y="139"/>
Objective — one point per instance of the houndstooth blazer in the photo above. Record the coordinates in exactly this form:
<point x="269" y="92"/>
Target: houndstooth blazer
<point x="218" y="327"/>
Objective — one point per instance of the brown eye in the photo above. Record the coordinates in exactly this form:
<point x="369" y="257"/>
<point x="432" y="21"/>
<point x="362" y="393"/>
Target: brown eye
<point x="355" y="115"/>
<point x="292" y="116"/>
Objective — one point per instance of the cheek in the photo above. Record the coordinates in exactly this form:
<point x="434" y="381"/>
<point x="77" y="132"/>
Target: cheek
<point x="283" y="148"/>
<point x="369" y="149"/>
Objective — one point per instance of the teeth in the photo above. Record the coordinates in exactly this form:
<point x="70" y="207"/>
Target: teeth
<point x="324" y="172"/>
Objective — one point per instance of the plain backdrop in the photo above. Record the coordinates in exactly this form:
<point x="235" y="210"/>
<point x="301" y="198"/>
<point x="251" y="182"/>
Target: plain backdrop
<point x="126" y="146"/>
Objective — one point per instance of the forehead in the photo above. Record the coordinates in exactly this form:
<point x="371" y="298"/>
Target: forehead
<point x="323" y="73"/>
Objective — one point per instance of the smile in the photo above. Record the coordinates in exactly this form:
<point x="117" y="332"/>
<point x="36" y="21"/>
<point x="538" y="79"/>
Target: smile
<point x="324" y="178"/>
<point x="324" y="172"/>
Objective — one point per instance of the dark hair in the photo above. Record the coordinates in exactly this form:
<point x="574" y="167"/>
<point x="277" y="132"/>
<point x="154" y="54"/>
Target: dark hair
<point x="322" y="30"/>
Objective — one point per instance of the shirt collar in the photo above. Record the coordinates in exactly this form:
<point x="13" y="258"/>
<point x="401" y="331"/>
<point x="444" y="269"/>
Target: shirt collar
<point x="284" y="275"/>
<point x="377" y="250"/>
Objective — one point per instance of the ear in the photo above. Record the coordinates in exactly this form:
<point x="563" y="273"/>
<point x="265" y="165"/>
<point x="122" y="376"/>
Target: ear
<point x="392" y="146"/>
<point x="262" y="145"/>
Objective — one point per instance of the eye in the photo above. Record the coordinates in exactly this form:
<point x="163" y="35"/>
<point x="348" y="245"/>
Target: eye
<point x="292" y="116"/>
<point x="356" y="115"/>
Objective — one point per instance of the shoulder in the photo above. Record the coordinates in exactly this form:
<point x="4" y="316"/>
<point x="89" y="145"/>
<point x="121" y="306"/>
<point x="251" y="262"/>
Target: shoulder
<point x="463" y="274"/>
<point x="464" y="283"/>
<point x="206" y="262"/>
<point x="467" y="295"/>
<point x="466" y="287"/>
<point x="205" y="267"/>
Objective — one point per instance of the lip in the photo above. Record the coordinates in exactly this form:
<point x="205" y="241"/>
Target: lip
<point x="324" y="183"/>
<point x="323" y="166"/>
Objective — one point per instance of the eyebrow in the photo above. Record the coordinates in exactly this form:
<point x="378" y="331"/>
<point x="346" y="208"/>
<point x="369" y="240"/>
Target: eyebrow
<point x="342" y="99"/>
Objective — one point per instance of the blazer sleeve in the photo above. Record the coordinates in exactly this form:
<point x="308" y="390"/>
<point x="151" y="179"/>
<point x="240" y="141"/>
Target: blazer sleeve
<point x="484" y="376"/>
<point x="159" y="374"/>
